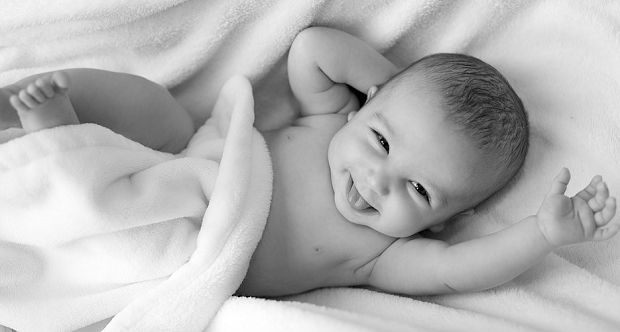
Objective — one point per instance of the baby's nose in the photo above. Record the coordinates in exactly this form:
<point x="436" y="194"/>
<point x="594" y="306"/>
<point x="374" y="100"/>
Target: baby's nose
<point x="378" y="181"/>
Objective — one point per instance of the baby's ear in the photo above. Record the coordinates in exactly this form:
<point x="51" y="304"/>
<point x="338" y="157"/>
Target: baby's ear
<point x="437" y="228"/>
<point x="371" y="93"/>
<point x="351" y="115"/>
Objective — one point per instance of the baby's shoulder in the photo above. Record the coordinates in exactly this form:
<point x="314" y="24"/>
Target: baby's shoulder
<point x="323" y="123"/>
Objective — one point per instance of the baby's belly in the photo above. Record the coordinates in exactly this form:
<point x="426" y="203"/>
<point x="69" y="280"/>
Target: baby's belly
<point x="276" y="273"/>
<point x="289" y="261"/>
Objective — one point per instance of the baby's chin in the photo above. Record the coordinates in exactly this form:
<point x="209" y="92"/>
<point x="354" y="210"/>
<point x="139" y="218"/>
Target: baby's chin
<point x="346" y="212"/>
<point x="375" y="224"/>
<point x="367" y="221"/>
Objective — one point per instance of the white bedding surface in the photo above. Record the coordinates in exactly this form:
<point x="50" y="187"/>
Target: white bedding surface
<point x="560" y="56"/>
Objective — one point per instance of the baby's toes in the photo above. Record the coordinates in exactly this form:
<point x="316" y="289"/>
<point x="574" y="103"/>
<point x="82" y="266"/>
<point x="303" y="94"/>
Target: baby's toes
<point x="27" y="99"/>
<point x="45" y="86"/>
<point x="61" y="81"/>
<point x="17" y="103"/>
<point x="36" y="93"/>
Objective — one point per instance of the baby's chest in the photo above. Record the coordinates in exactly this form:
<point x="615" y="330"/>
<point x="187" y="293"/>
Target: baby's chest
<point x="310" y="138"/>
<point x="317" y="240"/>
<point x="299" y="157"/>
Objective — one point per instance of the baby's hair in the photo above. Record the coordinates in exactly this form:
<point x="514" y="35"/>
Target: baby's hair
<point x="482" y="104"/>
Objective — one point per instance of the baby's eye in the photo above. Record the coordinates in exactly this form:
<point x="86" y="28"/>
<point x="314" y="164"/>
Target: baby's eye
<point x="384" y="143"/>
<point x="420" y="189"/>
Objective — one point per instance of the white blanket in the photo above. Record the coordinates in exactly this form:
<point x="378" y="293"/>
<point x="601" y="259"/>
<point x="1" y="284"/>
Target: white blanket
<point x="560" y="55"/>
<point x="94" y="225"/>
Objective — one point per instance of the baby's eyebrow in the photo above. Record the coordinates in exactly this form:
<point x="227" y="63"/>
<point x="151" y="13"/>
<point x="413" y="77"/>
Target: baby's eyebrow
<point x="386" y="123"/>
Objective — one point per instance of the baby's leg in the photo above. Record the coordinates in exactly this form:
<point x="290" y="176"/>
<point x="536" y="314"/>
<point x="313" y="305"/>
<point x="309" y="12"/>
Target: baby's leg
<point x="44" y="103"/>
<point x="132" y="106"/>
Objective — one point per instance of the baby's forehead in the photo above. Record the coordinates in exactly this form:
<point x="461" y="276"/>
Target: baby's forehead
<point x="396" y="99"/>
<point x="411" y="84"/>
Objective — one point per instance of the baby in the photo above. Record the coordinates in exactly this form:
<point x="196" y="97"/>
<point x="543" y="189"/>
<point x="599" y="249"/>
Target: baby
<point x="354" y="187"/>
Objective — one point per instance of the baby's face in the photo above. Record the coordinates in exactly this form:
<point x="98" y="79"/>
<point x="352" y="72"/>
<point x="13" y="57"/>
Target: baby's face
<point x="399" y="167"/>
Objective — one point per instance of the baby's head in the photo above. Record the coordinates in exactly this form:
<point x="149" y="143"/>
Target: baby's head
<point x="434" y="141"/>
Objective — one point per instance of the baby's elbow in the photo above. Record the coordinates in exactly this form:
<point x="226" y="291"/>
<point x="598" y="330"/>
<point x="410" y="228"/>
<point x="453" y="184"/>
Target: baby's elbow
<point x="305" y="41"/>
<point x="302" y="55"/>
<point x="313" y="41"/>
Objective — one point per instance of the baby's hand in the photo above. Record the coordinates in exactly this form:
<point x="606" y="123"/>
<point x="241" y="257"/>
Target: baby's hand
<point x="584" y="217"/>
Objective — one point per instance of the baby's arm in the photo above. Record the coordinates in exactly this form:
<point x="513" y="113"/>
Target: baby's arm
<point x="323" y="61"/>
<point x="425" y="266"/>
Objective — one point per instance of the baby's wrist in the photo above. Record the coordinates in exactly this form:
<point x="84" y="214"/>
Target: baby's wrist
<point x="541" y="232"/>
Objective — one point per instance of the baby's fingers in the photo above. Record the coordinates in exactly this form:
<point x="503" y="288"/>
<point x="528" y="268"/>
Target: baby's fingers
<point x="590" y="191"/>
<point x="603" y="234"/>
<point x="560" y="182"/>
<point x="605" y="215"/>
<point x="597" y="203"/>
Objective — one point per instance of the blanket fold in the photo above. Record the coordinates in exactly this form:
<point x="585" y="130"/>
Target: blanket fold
<point x="90" y="222"/>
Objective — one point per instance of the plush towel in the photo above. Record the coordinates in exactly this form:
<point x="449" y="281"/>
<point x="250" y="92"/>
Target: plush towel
<point x="560" y="55"/>
<point x="94" y="225"/>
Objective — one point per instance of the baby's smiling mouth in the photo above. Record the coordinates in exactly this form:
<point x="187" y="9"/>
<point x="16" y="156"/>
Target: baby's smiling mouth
<point x="355" y="199"/>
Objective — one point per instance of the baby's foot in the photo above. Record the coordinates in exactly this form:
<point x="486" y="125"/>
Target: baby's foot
<point x="44" y="103"/>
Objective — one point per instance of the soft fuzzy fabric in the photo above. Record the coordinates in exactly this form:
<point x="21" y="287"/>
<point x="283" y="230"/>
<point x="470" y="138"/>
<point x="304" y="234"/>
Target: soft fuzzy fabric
<point x="560" y="55"/>
<point x="94" y="225"/>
